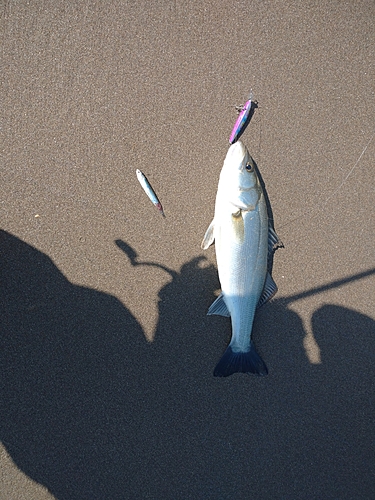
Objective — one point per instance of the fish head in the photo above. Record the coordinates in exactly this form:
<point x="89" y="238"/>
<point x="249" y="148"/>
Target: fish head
<point x="239" y="184"/>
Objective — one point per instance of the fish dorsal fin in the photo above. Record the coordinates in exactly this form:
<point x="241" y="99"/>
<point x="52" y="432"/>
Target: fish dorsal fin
<point x="273" y="241"/>
<point x="269" y="290"/>
<point x="209" y="237"/>
<point x="219" y="307"/>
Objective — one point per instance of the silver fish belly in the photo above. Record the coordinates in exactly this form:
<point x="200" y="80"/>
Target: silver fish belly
<point x="242" y="268"/>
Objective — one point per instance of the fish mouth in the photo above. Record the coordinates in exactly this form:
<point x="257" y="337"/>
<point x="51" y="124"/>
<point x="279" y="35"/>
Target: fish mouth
<point x="237" y="151"/>
<point x="238" y="155"/>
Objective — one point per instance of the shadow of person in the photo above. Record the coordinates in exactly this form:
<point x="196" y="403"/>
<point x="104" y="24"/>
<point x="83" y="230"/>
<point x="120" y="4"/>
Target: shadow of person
<point x="212" y="437"/>
<point x="346" y="404"/>
<point x="244" y="437"/>
<point x="317" y="420"/>
<point x="92" y="411"/>
<point x="71" y="374"/>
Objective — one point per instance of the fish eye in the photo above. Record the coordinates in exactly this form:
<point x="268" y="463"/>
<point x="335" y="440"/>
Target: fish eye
<point x="249" y="167"/>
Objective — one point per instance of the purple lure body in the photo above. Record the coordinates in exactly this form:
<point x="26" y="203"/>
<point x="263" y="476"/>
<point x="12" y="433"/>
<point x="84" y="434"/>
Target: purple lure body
<point x="240" y="122"/>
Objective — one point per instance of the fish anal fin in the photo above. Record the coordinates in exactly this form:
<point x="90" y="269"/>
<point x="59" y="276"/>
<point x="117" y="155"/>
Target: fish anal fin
<point x="209" y="237"/>
<point x="219" y="307"/>
<point x="269" y="290"/>
<point x="240" y="362"/>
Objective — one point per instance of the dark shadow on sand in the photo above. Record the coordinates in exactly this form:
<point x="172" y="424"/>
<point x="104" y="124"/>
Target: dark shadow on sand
<point x="92" y="411"/>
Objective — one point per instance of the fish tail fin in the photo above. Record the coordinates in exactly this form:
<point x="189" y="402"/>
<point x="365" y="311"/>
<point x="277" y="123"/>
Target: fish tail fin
<point x="241" y="362"/>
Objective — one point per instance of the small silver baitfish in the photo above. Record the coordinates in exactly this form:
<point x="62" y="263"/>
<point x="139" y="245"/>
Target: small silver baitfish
<point x="244" y="240"/>
<point x="149" y="191"/>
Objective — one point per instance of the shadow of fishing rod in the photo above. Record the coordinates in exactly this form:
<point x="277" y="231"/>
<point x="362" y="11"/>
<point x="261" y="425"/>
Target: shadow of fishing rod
<point x="328" y="286"/>
<point x="133" y="256"/>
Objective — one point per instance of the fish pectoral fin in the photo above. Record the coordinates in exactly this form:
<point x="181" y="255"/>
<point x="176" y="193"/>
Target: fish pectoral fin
<point x="219" y="307"/>
<point x="269" y="290"/>
<point x="238" y="226"/>
<point x="209" y="237"/>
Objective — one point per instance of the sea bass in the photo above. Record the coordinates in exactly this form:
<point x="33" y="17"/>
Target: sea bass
<point x="244" y="242"/>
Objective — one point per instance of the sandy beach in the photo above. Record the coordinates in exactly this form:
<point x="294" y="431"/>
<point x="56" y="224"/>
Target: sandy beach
<point x="107" y="354"/>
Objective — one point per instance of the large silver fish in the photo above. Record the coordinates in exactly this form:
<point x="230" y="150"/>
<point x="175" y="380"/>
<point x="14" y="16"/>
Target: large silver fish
<point x="244" y="242"/>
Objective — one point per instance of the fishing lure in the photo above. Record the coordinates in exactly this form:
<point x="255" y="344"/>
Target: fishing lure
<point x="243" y="118"/>
<point x="149" y="191"/>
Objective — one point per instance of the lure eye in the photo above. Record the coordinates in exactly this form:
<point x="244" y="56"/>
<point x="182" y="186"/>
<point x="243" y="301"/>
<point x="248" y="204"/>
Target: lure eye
<point x="249" y="167"/>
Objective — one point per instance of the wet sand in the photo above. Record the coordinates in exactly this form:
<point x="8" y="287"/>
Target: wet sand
<point x="107" y="353"/>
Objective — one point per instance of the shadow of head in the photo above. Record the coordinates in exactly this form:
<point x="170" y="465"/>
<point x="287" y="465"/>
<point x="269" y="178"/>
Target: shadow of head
<point x="183" y="304"/>
<point x="347" y="340"/>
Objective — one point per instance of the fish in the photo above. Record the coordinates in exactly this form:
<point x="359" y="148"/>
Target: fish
<point x="149" y="191"/>
<point x="242" y="119"/>
<point x="244" y="244"/>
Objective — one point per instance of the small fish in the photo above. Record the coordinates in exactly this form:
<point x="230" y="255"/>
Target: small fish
<point x="149" y="191"/>
<point x="244" y="241"/>
<point x="242" y="119"/>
